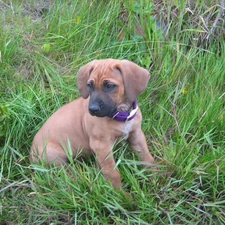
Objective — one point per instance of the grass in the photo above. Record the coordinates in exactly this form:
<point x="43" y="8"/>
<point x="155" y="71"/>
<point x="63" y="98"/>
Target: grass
<point x="42" y="45"/>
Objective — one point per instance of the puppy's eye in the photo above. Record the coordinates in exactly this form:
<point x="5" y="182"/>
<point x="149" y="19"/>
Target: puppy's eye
<point x="90" y="86"/>
<point x="109" y="86"/>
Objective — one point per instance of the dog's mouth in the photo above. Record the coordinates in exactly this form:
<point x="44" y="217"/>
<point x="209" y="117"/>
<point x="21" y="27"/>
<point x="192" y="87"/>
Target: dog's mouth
<point x="101" y="110"/>
<point x="101" y="114"/>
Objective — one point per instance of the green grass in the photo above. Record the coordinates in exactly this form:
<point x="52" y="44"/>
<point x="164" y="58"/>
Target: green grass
<point x="42" y="46"/>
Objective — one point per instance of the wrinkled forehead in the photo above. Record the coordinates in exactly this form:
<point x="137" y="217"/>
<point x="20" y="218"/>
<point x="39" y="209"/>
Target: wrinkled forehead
<point x="106" y="70"/>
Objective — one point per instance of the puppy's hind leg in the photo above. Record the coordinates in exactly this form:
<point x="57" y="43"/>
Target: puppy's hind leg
<point x="52" y="154"/>
<point x="55" y="154"/>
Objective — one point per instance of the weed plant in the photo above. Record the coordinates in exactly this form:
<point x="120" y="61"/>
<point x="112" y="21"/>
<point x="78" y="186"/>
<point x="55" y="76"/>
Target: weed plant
<point x="42" y="46"/>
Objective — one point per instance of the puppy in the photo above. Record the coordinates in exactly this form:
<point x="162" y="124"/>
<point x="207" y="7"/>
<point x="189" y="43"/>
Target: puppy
<point x="92" y="123"/>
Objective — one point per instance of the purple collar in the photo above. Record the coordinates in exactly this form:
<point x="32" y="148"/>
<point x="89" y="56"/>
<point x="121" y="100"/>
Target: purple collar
<point x="125" y="116"/>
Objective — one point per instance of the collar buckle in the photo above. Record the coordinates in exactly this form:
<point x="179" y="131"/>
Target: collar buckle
<point x="132" y="113"/>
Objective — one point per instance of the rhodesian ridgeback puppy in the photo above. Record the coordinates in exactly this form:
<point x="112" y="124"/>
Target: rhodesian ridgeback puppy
<point x="92" y="123"/>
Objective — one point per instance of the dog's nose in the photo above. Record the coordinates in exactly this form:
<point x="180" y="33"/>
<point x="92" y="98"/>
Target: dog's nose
<point x="94" y="109"/>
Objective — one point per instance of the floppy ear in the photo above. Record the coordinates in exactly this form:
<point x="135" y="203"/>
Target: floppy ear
<point x="135" y="78"/>
<point x="83" y="75"/>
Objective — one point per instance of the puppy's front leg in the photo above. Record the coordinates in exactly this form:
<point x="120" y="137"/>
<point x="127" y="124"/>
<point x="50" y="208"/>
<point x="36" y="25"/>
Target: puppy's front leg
<point x="138" y="143"/>
<point x="104" y="155"/>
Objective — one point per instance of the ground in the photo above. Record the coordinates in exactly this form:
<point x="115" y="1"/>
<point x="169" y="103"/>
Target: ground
<point x="181" y="43"/>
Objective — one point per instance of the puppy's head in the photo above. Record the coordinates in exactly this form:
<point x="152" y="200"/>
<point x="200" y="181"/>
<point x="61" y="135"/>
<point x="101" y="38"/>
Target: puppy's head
<point x="111" y="84"/>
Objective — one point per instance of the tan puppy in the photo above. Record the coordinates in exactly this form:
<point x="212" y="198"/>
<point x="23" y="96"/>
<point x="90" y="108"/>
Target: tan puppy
<point x="107" y="111"/>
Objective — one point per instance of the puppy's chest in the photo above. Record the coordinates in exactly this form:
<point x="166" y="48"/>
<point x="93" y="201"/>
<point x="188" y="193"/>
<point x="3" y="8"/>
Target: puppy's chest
<point x="125" y="130"/>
